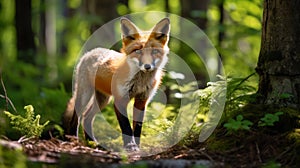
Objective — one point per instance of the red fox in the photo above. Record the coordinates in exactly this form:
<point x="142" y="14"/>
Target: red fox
<point x="134" y="73"/>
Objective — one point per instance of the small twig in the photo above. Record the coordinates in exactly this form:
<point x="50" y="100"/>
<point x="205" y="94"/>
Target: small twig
<point x="180" y="156"/>
<point x="5" y="93"/>
<point x="258" y="153"/>
<point x="206" y="155"/>
<point x="8" y="101"/>
<point x="22" y="139"/>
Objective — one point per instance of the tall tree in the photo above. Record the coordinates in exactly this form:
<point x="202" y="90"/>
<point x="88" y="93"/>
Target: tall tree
<point x="279" y="58"/>
<point x="104" y="10"/>
<point x="42" y="24"/>
<point x="195" y="10"/>
<point x="24" y="33"/>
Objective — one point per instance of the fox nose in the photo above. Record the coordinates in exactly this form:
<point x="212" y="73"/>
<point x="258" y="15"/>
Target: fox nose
<point x="147" y="66"/>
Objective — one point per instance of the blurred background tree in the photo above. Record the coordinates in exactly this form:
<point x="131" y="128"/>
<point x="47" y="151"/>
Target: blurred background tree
<point x="24" y="33"/>
<point x="40" y="41"/>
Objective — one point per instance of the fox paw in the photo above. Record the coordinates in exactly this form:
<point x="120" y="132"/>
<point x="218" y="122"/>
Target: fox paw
<point x="132" y="147"/>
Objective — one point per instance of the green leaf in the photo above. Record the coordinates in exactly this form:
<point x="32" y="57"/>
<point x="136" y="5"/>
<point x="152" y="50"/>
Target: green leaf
<point x="238" y="124"/>
<point x="285" y="96"/>
<point x="269" y="119"/>
<point x="247" y="122"/>
<point x="239" y="118"/>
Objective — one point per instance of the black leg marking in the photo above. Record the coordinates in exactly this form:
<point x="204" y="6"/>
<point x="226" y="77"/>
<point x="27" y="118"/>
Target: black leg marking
<point x="138" y="117"/>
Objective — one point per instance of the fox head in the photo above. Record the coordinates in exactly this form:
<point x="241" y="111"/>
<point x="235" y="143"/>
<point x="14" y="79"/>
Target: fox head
<point x="146" y="50"/>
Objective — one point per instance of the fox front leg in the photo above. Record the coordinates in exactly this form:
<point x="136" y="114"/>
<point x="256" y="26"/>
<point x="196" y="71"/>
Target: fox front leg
<point x="138" y="117"/>
<point x="127" y="133"/>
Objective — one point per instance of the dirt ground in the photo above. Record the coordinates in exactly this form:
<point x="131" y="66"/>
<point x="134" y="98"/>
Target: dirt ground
<point x="256" y="151"/>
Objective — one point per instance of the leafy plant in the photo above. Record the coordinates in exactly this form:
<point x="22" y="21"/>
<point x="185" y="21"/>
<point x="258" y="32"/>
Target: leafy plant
<point x="28" y="125"/>
<point x="238" y="124"/>
<point x="269" y="119"/>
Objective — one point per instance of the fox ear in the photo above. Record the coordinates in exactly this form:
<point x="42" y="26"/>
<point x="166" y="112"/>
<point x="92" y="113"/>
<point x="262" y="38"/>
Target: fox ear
<point x="129" y="30"/>
<point x="161" y="30"/>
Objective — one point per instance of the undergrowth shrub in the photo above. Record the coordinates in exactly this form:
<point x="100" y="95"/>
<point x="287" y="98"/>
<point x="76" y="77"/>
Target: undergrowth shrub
<point x="28" y="125"/>
<point x="238" y="91"/>
<point x="48" y="99"/>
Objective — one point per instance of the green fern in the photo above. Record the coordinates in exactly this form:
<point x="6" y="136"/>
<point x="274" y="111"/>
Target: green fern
<point x="28" y="125"/>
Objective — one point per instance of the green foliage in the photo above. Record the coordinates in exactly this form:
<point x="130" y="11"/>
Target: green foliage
<point x="59" y="129"/>
<point x="286" y="96"/>
<point x="272" y="164"/>
<point x="29" y="125"/>
<point x="241" y="44"/>
<point x="52" y="101"/>
<point x="159" y="120"/>
<point x="91" y="144"/>
<point x="12" y="158"/>
<point x="236" y="92"/>
<point x="241" y="124"/>
<point x="238" y="124"/>
<point x="240" y="91"/>
<point x="269" y="119"/>
<point x="26" y="85"/>
<point x="21" y="81"/>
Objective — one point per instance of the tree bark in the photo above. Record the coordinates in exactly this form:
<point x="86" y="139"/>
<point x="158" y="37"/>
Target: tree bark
<point x="24" y="33"/>
<point x="279" y="58"/>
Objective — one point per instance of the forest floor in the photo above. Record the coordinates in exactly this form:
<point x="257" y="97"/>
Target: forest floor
<point x="256" y="150"/>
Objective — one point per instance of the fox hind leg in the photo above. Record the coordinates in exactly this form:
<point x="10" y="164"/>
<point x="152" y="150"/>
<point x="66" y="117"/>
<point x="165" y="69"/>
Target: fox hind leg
<point x="70" y="119"/>
<point x="99" y="102"/>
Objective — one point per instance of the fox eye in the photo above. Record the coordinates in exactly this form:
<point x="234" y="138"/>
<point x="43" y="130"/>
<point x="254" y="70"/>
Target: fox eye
<point x="138" y="51"/>
<point x="155" y="51"/>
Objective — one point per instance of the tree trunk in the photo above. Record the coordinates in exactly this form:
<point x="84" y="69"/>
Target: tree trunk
<point x="279" y="58"/>
<point x="42" y="31"/>
<point x="195" y="10"/>
<point x="24" y="34"/>
<point x="104" y="10"/>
